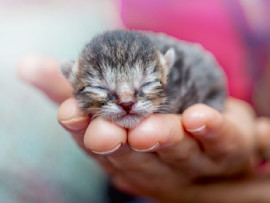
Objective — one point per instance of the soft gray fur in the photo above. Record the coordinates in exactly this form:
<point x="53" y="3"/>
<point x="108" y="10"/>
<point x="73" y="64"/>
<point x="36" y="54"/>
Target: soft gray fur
<point x="195" y="76"/>
<point x="125" y="76"/>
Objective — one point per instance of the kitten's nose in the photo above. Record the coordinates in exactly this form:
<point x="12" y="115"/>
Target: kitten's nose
<point x="127" y="106"/>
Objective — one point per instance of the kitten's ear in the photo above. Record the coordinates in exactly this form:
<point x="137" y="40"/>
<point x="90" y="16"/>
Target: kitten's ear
<point x="68" y="69"/>
<point x="169" y="59"/>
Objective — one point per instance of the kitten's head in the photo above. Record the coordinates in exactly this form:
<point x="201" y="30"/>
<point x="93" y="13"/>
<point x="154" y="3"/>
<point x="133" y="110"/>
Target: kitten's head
<point x="120" y="76"/>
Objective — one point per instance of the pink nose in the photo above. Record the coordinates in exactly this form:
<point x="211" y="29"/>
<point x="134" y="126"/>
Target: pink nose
<point x="127" y="106"/>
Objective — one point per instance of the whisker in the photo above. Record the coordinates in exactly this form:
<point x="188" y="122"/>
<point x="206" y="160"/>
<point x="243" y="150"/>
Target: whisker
<point x="164" y="108"/>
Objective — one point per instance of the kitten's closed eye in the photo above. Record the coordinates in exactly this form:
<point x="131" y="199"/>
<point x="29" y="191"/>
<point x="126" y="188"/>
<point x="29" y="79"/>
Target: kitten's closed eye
<point x="146" y="84"/>
<point x="147" y="87"/>
<point x="86" y="89"/>
<point x="150" y="85"/>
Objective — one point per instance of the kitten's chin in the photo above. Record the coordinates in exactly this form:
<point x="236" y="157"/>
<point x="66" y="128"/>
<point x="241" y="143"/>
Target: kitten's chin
<point x="129" y="121"/>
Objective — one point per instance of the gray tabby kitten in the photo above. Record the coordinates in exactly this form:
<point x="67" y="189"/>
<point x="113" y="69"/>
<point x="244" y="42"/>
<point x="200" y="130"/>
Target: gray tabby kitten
<point x="125" y="76"/>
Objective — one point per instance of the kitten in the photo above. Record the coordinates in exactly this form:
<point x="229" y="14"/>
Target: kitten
<point x="125" y="76"/>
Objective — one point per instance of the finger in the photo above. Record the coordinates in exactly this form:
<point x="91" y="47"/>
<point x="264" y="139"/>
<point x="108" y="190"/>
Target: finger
<point x="150" y="181"/>
<point x="221" y="134"/>
<point x="44" y="73"/>
<point x="109" y="140"/>
<point x="164" y="135"/>
<point x="145" y="172"/>
<point x="104" y="137"/>
<point x="74" y="121"/>
<point x="155" y="132"/>
<point x="97" y="137"/>
<point x="72" y="118"/>
<point x="263" y="141"/>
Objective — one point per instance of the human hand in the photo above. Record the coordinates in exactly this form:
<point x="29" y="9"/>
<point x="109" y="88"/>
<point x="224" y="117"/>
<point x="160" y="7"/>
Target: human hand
<point x="178" y="161"/>
<point x="166" y="171"/>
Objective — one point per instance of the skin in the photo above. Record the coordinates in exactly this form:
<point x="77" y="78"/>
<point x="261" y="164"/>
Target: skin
<point x="163" y="162"/>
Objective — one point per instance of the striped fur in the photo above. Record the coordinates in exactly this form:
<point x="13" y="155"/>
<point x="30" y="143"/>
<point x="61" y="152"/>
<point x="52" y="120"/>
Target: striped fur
<point x="157" y="73"/>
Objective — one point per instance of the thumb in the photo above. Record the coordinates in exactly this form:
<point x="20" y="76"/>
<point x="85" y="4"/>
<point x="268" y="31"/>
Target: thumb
<point x="44" y="73"/>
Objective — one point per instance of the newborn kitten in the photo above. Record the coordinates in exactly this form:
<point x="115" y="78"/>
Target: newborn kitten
<point x="125" y="76"/>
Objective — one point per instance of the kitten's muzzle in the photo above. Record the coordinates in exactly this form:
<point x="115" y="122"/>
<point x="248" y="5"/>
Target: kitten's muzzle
<point x="127" y="106"/>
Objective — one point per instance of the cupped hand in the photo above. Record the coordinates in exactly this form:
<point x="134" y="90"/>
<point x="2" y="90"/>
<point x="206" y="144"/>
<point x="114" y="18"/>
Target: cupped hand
<point x="169" y="152"/>
<point x="164" y="156"/>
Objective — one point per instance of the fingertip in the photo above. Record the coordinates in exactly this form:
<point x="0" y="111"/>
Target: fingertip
<point x="238" y="106"/>
<point x="217" y="133"/>
<point x="156" y="131"/>
<point x="26" y="67"/>
<point x="104" y="137"/>
<point x="31" y="67"/>
<point x="199" y="118"/>
<point x="71" y="117"/>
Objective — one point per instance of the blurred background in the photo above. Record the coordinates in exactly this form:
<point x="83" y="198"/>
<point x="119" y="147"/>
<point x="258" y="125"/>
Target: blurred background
<point x="38" y="160"/>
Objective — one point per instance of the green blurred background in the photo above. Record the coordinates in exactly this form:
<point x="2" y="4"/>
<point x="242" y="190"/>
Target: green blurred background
<point x="38" y="160"/>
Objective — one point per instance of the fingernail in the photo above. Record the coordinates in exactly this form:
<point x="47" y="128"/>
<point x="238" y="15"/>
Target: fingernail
<point x="149" y="149"/>
<point x="76" y="124"/>
<point x="71" y="117"/>
<point x="108" y="152"/>
<point x="198" y="131"/>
